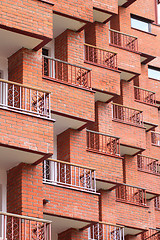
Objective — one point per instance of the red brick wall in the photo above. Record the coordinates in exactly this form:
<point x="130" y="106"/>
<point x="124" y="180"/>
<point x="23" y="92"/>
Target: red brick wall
<point x="82" y="10"/>
<point x="38" y="16"/>
<point x="15" y="67"/>
<point x="70" y="203"/>
<point x="32" y="133"/>
<point x="61" y="50"/>
<point x="63" y="146"/>
<point x="24" y="190"/>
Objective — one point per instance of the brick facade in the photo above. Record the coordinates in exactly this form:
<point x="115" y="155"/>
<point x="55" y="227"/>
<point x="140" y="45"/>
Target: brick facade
<point x="81" y="151"/>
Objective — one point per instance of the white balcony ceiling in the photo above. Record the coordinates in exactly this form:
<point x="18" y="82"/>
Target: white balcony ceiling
<point x="61" y="23"/>
<point x="10" y="157"/>
<point x="11" y="42"/>
<point x="61" y="224"/>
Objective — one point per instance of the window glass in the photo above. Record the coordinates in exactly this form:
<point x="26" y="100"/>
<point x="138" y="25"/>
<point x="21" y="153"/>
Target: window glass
<point x="140" y="24"/>
<point x="154" y="73"/>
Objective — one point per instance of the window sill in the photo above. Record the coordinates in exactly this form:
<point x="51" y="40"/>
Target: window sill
<point x="144" y="31"/>
<point x="154" y="79"/>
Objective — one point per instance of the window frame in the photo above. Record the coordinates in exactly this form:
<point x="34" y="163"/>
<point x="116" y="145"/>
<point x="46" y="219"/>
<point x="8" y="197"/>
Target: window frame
<point x="143" y="20"/>
<point x="153" y="68"/>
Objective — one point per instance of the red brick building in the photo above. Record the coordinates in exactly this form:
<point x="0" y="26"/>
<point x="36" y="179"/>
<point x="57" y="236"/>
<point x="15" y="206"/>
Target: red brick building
<point x="80" y="121"/>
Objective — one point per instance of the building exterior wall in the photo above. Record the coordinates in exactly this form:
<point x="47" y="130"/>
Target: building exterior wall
<point x="33" y="189"/>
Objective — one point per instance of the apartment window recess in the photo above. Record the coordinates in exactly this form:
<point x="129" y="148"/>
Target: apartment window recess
<point x="141" y="23"/>
<point x="154" y="72"/>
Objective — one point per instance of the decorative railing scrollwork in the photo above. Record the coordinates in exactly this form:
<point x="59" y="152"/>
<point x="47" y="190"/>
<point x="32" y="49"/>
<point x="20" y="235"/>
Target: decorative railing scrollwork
<point x="100" y="57"/>
<point x="55" y="69"/>
<point x="127" y="115"/>
<point x="123" y="40"/>
<point x="130" y="194"/>
<point x="148" y="164"/>
<point x="155" y="138"/>
<point x="144" y="96"/>
<point x="24" y="98"/>
<point x="103" y="143"/>
<point x="151" y="234"/>
<point x="15" y="227"/>
<point x="157" y="203"/>
<point x="70" y="175"/>
<point x="101" y="231"/>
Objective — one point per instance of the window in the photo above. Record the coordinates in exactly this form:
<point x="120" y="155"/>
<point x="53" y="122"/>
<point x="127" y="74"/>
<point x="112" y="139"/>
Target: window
<point x="154" y="72"/>
<point x="140" y="23"/>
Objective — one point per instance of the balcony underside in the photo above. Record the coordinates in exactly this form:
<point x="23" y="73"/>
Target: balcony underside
<point x="101" y="16"/>
<point x="146" y="58"/>
<point x="132" y="231"/>
<point x="127" y="75"/>
<point x="130" y="150"/>
<point x="61" y="22"/>
<point x="12" y="156"/>
<point x="150" y="196"/>
<point x="105" y="185"/>
<point x="63" y="122"/>
<point x="103" y="96"/>
<point x="61" y="224"/>
<point x="12" y="40"/>
<point x="149" y="126"/>
<point x="125" y="3"/>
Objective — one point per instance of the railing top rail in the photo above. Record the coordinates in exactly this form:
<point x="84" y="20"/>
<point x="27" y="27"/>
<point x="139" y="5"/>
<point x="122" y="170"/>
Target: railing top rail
<point x="155" y="132"/>
<point x="128" y="185"/>
<point x="25" y="86"/>
<point x="89" y="45"/>
<point x="71" y="64"/>
<point x="111" y="224"/>
<point x="25" y="217"/>
<point x="123" y="33"/>
<point x="127" y="107"/>
<point x="144" y="89"/>
<point x="72" y="164"/>
<point x="149" y="157"/>
<point x="108" y="135"/>
<point x="157" y="229"/>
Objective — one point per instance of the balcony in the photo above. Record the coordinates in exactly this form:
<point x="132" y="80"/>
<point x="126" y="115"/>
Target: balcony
<point x="103" y="143"/>
<point x="150" y="109"/>
<point x="127" y="115"/>
<point x="128" y="63"/>
<point x="109" y="147"/>
<point x="66" y="73"/>
<point x="101" y="80"/>
<point x="123" y="40"/>
<point x="74" y="186"/>
<point x="130" y="194"/>
<point x="103" y="230"/>
<point x="155" y="138"/>
<point x="144" y="96"/>
<point x="151" y="234"/>
<point x="100" y="57"/>
<point x="148" y="164"/>
<point x="21" y="98"/>
<point x="29" y="109"/>
<point x="125" y="3"/>
<point x="69" y="175"/>
<point x="13" y="226"/>
<point x="132" y="120"/>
